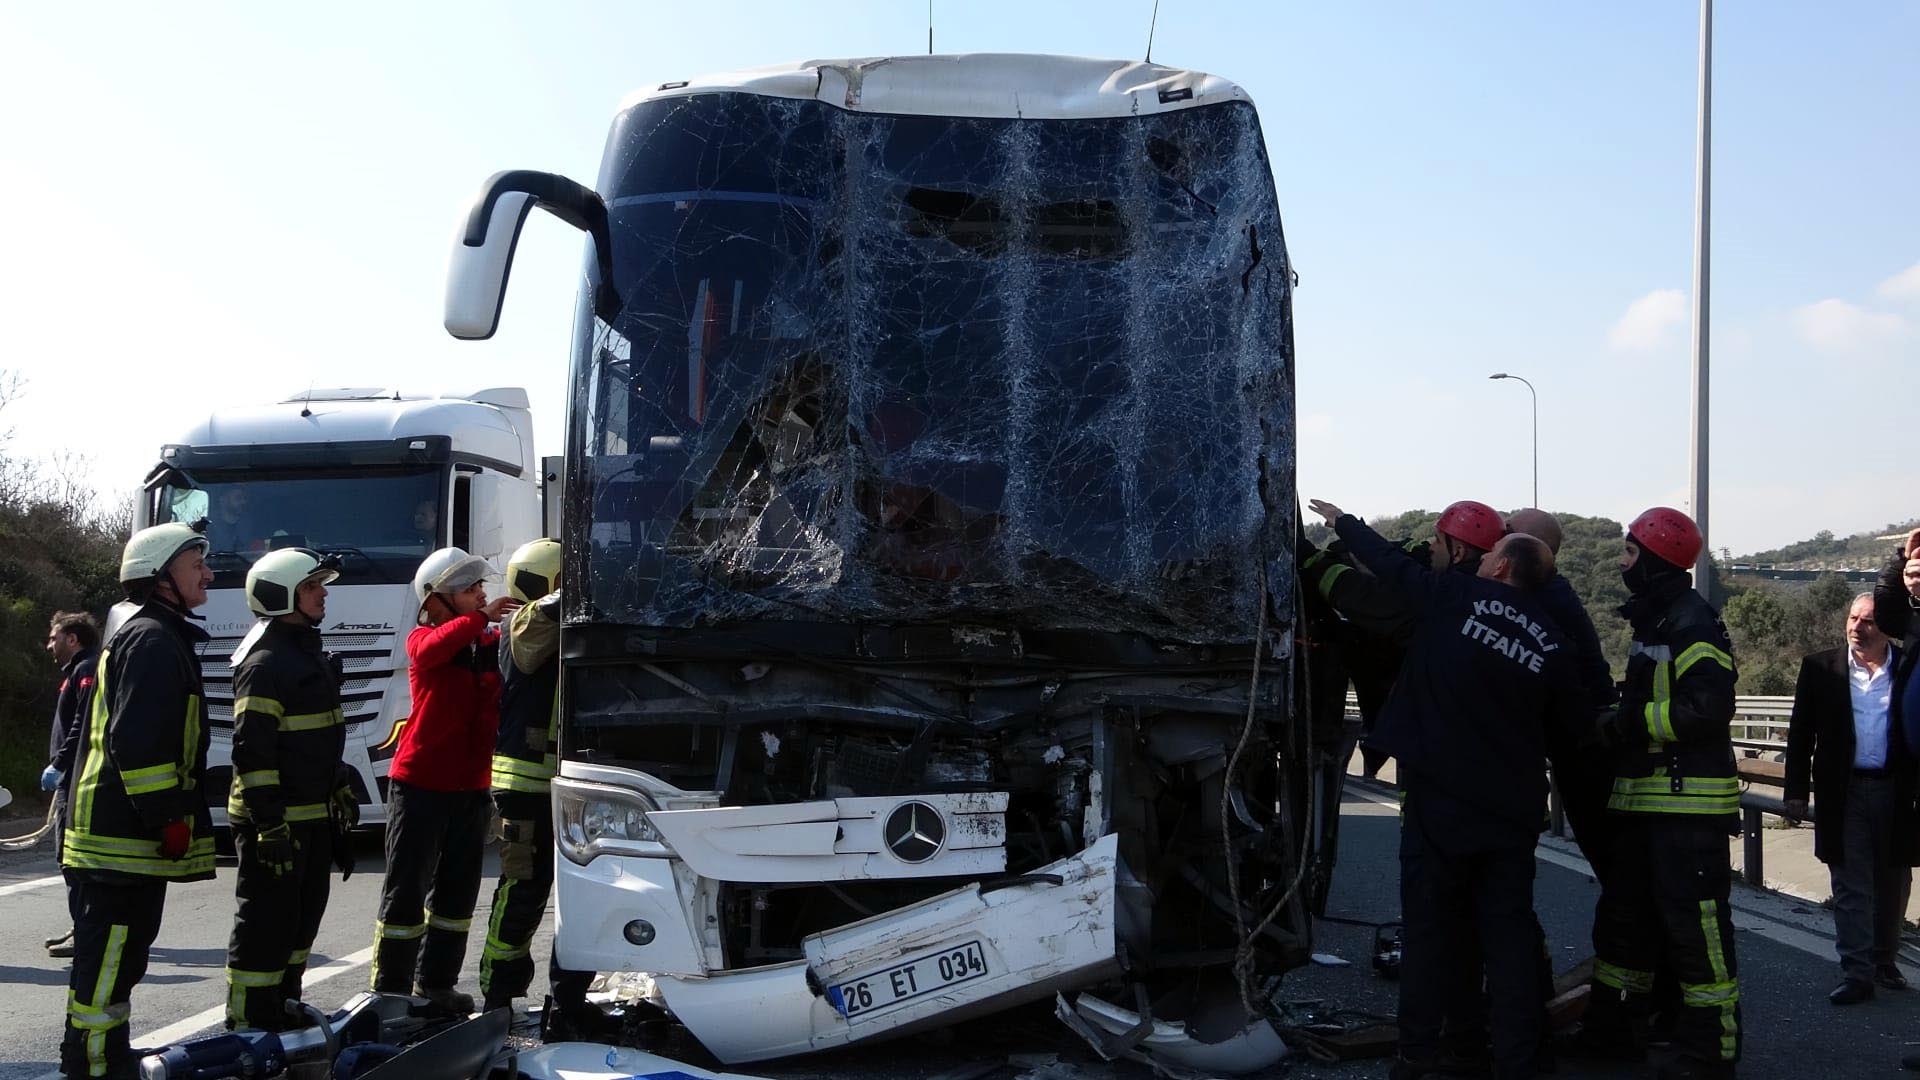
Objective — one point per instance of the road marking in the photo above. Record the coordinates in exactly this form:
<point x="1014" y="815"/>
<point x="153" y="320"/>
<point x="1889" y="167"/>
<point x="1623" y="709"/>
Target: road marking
<point x="30" y="884"/>
<point x="1745" y="917"/>
<point x="206" y="1018"/>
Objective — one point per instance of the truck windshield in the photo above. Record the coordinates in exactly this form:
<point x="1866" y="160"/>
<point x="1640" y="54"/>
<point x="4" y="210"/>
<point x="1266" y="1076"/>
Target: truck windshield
<point x="890" y="368"/>
<point x="381" y="521"/>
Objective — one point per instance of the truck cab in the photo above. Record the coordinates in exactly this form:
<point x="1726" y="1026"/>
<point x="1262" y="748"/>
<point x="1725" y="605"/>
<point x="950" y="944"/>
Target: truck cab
<point x="379" y="478"/>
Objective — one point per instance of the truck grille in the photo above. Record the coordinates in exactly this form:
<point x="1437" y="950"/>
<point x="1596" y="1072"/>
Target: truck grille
<point x="367" y="659"/>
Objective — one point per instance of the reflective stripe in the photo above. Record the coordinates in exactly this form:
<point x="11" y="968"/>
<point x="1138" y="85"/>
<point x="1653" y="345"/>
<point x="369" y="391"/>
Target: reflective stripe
<point x="95" y="751"/>
<point x="497" y="949"/>
<point x="1674" y="804"/>
<point x="1698" y="651"/>
<point x="1332" y="574"/>
<point x="543" y="769"/>
<point x="520" y="783"/>
<point x="1703" y="994"/>
<point x="1727" y="1001"/>
<point x="399" y="933"/>
<point x="258" y="778"/>
<point x="1662" y="784"/>
<point x="238" y="983"/>
<point x="102" y="993"/>
<point x="1626" y="980"/>
<point x="266" y="706"/>
<point x="1657" y="653"/>
<point x="91" y="1019"/>
<point x="312" y="721"/>
<point x="307" y="812"/>
<point x="190" y="741"/>
<point x="192" y="866"/>
<point x="150" y="779"/>
<point x="1659" y="717"/>
<point x="441" y="922"/>
<point x="298" y="958"/>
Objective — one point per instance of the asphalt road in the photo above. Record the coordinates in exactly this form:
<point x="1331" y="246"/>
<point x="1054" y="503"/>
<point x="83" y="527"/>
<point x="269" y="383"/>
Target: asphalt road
<point x="184" y="992"/>
<point x="1784" y="949"/>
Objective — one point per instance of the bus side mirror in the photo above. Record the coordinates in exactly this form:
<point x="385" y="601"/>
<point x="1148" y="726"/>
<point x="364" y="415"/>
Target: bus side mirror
<point x="483" y="251"/>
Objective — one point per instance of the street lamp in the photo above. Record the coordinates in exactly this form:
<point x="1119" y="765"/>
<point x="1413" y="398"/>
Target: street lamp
<point x="1536" y="431"/>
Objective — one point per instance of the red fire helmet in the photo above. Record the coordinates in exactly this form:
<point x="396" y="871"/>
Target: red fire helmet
<point x="1667" y="533"/>
<point x="1473" y="523"/>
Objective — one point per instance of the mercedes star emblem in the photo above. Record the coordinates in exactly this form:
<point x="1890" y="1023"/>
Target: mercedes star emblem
<point x="914" y="832"/>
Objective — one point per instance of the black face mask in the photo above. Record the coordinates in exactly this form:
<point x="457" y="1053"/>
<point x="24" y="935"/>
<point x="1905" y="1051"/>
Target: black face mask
<point x="1648" y="571"/>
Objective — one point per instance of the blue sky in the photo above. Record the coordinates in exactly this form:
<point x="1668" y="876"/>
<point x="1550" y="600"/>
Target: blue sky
<point x="213" y="205"/>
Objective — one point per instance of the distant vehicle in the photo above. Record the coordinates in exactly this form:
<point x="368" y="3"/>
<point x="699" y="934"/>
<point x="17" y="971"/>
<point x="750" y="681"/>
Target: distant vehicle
<point x="929" y="524"/>
<point x="377" y="477"/>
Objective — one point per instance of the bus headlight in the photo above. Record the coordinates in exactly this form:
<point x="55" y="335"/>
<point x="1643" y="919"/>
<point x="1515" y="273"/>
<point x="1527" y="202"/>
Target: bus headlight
<point x="592" y="820"/>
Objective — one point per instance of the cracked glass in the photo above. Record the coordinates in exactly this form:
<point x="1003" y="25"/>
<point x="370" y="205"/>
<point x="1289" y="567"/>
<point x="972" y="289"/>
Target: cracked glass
<point x="904" y="369"/>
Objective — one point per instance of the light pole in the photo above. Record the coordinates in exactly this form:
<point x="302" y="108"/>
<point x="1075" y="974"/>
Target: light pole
<point x="1702" y="275"/>
<point x="1536" y="432"/>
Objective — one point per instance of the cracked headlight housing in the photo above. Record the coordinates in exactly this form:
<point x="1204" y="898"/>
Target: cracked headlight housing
<point x="593" y="819"/>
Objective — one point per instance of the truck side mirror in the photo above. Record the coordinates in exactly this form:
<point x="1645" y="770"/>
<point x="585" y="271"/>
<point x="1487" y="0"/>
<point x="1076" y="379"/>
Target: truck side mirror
<point x="483" y="250"/>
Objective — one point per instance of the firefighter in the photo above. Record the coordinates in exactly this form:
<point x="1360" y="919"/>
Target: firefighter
<point x="136" y="817"/>
<point x="523" y="766"/>
<point x="288" y="785"/>
<point x="1378" y="620"/>
<point x="1675" y="801"/>
<point x="1485" y="688"/>
<point x="437" y="805"/>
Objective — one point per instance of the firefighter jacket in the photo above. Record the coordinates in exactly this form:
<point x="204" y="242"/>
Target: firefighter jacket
<point x="142" y="758"/>
<point x="453" y="670"/>
<point x="1676" y="704"/>
<point x="524" y="755"/>
<point x="1487" y="685"/>
<point x="70" y="709"/>
<point x="288" y="730"/>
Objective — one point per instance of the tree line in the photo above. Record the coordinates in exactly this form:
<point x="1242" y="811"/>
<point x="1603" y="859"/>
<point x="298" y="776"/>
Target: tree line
<point x="59" y="551"/>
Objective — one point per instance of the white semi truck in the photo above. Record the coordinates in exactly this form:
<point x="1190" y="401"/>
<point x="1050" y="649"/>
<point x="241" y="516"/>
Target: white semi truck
<point x="929" y="525"/>
<point x="379" y="478"/>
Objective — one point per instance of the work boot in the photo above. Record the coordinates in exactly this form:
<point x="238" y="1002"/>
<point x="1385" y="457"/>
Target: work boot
<point x="58" y="938"/>
<point x="61" y="946"/>
<point x="1889" y="977"/>
<point x="447" y="998"/>
<point x="1851" y="992"/>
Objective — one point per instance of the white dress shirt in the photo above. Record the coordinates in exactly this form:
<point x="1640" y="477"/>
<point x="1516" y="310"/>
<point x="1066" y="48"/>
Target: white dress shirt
<point x="1872" y="698"/>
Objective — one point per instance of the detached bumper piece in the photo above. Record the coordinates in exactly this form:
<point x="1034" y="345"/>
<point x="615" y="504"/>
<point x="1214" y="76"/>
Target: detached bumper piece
<point x="977" y="949"/>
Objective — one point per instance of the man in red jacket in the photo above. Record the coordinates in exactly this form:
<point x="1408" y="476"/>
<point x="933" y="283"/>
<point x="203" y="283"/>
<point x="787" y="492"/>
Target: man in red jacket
<point x="437" y="802"/>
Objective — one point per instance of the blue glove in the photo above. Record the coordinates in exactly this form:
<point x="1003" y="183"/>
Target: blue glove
<point x="50" y="778"/>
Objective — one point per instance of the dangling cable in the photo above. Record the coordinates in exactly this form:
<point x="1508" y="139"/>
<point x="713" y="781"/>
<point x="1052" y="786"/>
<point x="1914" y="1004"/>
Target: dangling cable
<point x="22" y="843"/>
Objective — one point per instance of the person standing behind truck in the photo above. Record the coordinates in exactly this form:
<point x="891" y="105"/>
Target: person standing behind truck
<point x="523" y="765"/>
<point x="437" y="805"/>
<point x="73" y="640"/>
<point x="136" y="818"/>
<point x="288" y="785"/>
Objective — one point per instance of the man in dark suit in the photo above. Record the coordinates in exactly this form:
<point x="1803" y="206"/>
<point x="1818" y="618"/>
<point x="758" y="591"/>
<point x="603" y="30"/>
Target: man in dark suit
<point x="1844" y="737"/>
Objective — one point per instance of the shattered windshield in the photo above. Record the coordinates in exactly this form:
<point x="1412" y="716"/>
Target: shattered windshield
<point x="888" y="368"/>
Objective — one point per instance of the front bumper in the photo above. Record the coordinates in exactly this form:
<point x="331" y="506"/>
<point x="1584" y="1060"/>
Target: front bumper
<point x="1047" y="931"/>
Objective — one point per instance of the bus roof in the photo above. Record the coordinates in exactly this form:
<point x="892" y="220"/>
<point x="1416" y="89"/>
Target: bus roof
<point x="990" y="85"/>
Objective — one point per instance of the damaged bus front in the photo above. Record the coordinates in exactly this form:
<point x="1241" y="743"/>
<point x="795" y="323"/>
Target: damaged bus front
<point x="929" y="527"/>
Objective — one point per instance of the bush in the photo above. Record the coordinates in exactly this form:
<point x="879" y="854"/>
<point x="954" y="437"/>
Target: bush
<point x="58" y="550"/>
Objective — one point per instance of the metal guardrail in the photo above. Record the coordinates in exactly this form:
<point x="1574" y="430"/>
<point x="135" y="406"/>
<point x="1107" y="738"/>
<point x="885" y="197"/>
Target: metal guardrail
<point x="1759" y="727"/>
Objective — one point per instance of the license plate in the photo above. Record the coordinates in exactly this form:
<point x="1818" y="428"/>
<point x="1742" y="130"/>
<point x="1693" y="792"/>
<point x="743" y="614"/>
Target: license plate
<point x="904" y="982"/>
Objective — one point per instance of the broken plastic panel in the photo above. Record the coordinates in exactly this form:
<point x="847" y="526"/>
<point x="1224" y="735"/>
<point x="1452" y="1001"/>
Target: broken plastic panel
<point x="902" y="369"/>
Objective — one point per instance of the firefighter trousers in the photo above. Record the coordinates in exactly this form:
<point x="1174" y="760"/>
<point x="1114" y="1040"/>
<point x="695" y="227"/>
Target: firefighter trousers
<point x="113" y="929"/>
<point x="1664" y="900"/>
<point x="434" y="844"/>
<point x="277" y="919"/>
<point x="1449" y="902"/>
<point x="506" y="962"/>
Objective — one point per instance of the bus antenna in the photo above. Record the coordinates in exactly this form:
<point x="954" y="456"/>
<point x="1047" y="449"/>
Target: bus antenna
<point x="306" y="407"/>
<point x="929" y="27"/>
<point x="1151" y="25"/>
